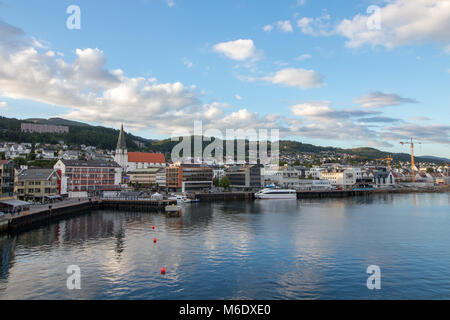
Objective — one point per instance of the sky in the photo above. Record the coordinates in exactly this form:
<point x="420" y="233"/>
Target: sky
<point x="331" y="73"/>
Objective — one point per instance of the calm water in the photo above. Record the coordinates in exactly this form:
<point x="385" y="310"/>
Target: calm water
<point x="312" y="249"/>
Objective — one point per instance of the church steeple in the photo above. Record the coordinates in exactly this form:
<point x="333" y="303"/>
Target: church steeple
<point x="121" y="144"/>
<point x="121" y="156"/>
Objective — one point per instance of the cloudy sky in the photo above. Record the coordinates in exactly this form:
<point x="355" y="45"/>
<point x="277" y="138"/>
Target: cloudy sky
<point x="347" y="74"/>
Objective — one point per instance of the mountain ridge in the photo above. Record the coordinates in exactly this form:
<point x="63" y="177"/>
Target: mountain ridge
<point x="106" y="138"/>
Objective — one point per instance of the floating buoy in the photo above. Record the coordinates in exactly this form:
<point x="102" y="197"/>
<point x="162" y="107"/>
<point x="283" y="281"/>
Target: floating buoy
<point x="154" y="240"/>
<point x="163" y="270"/>
<point x="153" y="227"/>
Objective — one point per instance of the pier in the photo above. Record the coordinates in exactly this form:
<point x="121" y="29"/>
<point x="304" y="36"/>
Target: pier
<point x="46" y="213"/>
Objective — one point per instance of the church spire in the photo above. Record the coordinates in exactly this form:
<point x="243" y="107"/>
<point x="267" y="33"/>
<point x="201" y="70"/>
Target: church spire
<point x="121" y="141"/>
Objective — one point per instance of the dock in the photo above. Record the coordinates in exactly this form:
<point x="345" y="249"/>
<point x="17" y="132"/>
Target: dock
<point x="46" y="213"/>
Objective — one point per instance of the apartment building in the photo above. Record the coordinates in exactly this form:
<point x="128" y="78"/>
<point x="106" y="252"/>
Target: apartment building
<point x="36" y="185"/>
<point x="43" y="128"/>
<point x="83" y="178"/>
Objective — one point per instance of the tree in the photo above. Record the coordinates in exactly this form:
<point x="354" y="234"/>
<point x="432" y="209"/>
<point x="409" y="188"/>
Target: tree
<point x="224" y="182"/>
<point x="430" y="170"/>
<point x="216" y="182"/>
<point x="19" y="161"/>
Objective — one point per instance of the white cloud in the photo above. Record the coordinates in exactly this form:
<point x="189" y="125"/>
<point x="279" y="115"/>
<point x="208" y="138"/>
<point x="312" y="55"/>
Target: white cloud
<point x="170" y="3"/>
<point x="303" y="57"/>
<point x="92" y="93"/>
<point x="285" y="26"/>
<point x="320" y="26"/>
<point x="3" y="104"/>
<point x="240" y="50"/>
<point x="304" y="79"/>
<point x="379" y="99"/>
<point x="188" y="63"/>
<point x="238" y="97"/>
<point x="301" y="3"/>
<point x="403" y="22"/>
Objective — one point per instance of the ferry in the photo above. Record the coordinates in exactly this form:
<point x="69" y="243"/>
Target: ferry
<point x="272" y="193"/>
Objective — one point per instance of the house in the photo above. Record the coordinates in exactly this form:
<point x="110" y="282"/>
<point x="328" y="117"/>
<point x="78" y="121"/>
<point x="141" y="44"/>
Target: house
<point x="37" y="185"/>
<point x="83" y="178"/>
<point x="384" y="178"/>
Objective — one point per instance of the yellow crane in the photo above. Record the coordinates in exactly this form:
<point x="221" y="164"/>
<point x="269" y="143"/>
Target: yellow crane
<point x="411" y="143"/>
<point x="388" y="160"/>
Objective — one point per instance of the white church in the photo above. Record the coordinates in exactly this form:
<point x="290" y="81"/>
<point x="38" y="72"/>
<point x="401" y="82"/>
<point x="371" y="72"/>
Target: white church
<point x="131" y="161"/>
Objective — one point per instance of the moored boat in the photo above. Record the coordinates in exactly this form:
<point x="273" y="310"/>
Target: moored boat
<point x="273" y="193"/>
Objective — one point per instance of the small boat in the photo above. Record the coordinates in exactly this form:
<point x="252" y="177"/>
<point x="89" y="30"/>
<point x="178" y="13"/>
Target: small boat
<point x="183" y="199"/>
<point x="273" y="193"/>
<point x="173" y="211"/>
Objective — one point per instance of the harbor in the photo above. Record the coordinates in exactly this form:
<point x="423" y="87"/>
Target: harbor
<point x="41" y="214"/>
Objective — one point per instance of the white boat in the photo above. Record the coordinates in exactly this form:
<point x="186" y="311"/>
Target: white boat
<point x="183" y="199"/>
<point x="272" y="193"/>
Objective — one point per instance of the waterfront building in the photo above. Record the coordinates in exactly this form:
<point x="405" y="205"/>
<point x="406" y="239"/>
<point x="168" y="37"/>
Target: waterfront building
<point x="314" y="185"/>
<point x="189" y="177"/>
<point x="130" y="161"/>
<point x="245" y="176"/>
<point x="43" y="128"/>
<point x="148" y="176"/>
<point x="339" y="177"/>
<point x="6" y="179"/>
<point x="83" y="178"/>
<point x="314" y="172"/>
<point x="286" y="177"/>
<point x="161" y="178"/>
<point x="383" y="178"/>
<point x="37" y="185"/>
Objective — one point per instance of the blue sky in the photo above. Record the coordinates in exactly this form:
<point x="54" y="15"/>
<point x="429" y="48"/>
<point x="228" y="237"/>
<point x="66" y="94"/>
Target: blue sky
<point x="314" y="69"/>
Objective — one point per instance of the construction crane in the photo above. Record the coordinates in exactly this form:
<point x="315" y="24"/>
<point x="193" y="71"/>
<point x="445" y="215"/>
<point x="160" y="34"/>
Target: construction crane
<point x="388" y="160"/>
<point x="411" y="143"/>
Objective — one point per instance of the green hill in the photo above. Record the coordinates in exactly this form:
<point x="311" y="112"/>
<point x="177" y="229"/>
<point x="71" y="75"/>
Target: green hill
<point x="106" y="138"/>
<point x="79" y="133"/>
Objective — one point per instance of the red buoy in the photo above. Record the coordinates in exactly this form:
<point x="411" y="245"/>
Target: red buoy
<point x="154" y="240"/>
<point x="153" y="227"/>
<point x="163" y="270"/>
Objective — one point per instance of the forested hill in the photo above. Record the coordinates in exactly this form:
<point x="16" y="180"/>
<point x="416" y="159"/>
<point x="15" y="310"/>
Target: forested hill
<point x="79" y="133"/>
<point x="106" y="138"/>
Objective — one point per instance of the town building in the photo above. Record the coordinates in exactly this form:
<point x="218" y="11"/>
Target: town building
<point x="6" y="179"/>
<point x="245" y="176"/>
<point x="131" y="161"/>
<point x="37" y="185"/>
<point x="189" y="177"/>
<point x="384" y="178"/>
<point x="83" y="178"/>
<point x="339" y="177"/>
<point x="286" y="177"/>
<point x="147" y="176"/>
<point x="43" y="128"/>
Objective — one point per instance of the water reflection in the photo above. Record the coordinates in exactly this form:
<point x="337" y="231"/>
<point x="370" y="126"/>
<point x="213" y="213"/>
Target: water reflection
<point x="307" y="249"/>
